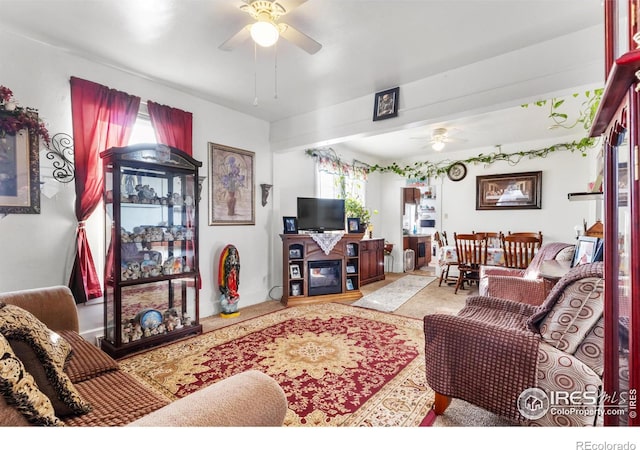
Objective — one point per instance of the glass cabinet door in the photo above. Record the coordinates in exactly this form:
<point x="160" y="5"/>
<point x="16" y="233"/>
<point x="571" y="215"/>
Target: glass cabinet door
<point x="151" y="273"/>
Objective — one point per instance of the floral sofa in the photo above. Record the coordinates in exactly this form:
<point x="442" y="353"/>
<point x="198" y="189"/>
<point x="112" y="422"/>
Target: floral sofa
<point x="51" y="376"/>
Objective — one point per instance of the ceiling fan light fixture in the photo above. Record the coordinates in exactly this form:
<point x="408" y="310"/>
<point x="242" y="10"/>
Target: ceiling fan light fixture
<point x="265" y="33"/>
<point x="438" y="145"/>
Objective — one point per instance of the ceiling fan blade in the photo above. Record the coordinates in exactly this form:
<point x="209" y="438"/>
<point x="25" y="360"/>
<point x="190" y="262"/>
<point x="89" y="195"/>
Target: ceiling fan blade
<point x="237" y="39"/>
<point x="300" y="39"/>
<point x="289" y="5"/>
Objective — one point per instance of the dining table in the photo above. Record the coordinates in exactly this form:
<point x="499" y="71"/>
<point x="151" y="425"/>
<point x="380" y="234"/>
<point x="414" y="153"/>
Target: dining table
<point x="447" y="254"/>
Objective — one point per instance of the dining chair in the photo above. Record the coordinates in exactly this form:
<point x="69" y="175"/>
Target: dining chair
<point x="519" y="250"/>
<point x="536" y="234"/>
<point x="444" y="263"/>
<point x="471" y="250"/>
<point x="493" y="237"/>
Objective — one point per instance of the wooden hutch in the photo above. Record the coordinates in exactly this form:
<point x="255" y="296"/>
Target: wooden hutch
<point x="313" y="275"/>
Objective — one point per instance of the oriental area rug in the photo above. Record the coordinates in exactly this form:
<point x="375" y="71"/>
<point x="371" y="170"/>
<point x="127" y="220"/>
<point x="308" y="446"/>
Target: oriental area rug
<point x="338" y="365"/>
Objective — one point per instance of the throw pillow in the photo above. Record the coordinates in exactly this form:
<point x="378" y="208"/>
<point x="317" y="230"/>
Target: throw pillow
<point x="43" y="354"/>
<point x="19" y="389"/>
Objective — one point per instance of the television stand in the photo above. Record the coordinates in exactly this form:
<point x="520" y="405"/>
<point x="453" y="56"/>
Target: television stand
<point x="308" y="272"/>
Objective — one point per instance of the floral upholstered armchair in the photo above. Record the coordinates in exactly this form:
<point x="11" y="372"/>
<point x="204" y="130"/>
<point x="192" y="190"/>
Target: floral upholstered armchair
<point x="507" y="357"/>
<point x="523" y="285"/>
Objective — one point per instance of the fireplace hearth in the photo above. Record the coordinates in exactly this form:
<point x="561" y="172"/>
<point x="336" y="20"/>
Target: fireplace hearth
<point x="325" y="277"/>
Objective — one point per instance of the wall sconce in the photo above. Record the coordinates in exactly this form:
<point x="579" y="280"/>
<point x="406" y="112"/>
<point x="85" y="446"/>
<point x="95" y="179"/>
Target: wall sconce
<point x="265" y="192"/>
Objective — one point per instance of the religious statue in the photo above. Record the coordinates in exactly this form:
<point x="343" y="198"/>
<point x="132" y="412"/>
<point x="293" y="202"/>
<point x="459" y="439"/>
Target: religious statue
<point x="229" y="281"/>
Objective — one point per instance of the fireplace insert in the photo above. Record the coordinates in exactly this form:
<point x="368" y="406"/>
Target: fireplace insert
<point x="325" y="277"/>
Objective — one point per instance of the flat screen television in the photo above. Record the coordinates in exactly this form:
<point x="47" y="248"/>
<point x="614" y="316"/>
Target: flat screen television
<point x="321" y="214"/>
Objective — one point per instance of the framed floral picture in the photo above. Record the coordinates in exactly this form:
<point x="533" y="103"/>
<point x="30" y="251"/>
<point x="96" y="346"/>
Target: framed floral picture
<point x="19" y="173"/>
<point x="231" y="186"/>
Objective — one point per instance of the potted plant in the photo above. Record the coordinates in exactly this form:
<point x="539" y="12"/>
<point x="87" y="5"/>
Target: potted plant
<point x="354" y="208"/>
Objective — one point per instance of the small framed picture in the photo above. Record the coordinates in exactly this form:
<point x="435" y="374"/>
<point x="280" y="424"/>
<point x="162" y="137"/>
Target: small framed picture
<point x="294" y="271"/>
<point x="586" y="249"/>
<point x="351" y="251"/>
<point x="290" y="225"/>
<point x="296" y="289"/>
<point x="351" y="269"/>
<point x="349" y="284"/>
<point x="386" y="104"/>
<point x="295" y="253"/>
<point x="353" y="224"/>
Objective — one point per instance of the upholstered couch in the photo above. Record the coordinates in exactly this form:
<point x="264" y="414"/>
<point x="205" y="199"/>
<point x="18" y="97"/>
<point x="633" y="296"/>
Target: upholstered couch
<point x="68" y="381"/>
<point x="509" y="357"/>
<point x="524" y="285"/>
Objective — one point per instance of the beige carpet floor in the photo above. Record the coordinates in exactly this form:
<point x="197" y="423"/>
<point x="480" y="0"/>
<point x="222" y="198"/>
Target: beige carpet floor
<point x="431" y="299"/>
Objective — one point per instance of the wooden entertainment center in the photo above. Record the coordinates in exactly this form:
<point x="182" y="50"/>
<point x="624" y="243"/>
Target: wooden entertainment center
<point x="310" y="275"/>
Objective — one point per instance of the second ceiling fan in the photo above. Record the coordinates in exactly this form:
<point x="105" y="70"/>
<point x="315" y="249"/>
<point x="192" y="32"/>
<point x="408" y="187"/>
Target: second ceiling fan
<point x="266" y="29"/>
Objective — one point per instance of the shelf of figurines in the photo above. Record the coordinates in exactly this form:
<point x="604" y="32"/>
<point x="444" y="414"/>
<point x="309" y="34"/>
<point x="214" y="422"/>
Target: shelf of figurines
<point x="150" y="269"/>
<point x="156" y="233"/>
<point x="152" y="322"/>
<point x="146" y="195"/>
<point x="150" y="327"/>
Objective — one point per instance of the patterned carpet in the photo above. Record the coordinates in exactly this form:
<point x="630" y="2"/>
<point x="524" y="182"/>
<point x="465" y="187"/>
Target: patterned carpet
<point x="338" y="365"/>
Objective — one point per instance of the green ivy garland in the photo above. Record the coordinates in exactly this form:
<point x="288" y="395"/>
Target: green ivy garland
<point x="421" y="170"/>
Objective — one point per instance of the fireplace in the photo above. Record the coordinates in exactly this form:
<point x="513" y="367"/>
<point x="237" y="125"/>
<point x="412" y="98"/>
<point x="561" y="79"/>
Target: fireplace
<point x="325" y="277"/>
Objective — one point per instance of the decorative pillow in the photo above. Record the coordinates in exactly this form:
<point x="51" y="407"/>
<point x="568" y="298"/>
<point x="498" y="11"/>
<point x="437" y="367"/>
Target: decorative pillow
<point x="19" y="389"/>
<point x="43" y="354"/>
<point x="577" y="310"/>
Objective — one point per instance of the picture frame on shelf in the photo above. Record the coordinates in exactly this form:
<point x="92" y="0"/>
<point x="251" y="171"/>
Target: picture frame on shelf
<point x="290" y="225"/>
<point x="586" y="250"/>
<point x="349" y="284"/>
<point x="231" y="186"/>
<point x="386" y="104"/>
<point x="296" y="289"/>
<point x="20" y="185"/>
<point x="295" y="253"/>
<point x="351" y="268"/>
<point x="509" y="191"/>
<point x="351" y="251"/>
<point x="294" y="271"/>
<point x="353" y="224"/>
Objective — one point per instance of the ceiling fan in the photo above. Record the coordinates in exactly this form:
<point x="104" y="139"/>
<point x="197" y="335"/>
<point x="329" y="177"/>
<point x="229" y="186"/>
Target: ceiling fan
<point x="440" y="137"/>
<point x="266" y="29"/>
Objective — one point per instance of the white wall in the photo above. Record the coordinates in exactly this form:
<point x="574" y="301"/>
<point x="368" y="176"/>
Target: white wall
<point x="38" y="249"/>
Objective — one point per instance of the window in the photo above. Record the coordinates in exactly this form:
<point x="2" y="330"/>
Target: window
<point x="341" y="182"/>
<point x="142" y="130"/>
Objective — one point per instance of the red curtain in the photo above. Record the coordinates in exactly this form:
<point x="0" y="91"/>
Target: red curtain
<point x="102" y="118"/>
<point x="172" y="126"/>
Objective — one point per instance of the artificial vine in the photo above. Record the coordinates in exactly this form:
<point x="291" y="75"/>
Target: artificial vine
<point x="421" y="170"/>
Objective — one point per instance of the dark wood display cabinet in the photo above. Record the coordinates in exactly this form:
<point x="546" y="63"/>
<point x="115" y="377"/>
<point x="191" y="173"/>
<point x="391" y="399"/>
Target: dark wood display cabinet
<point x="617" y="122"/>
<point x="151" y="270"/>
<point x="371" y="261"/>
<point x="313" y="275"/>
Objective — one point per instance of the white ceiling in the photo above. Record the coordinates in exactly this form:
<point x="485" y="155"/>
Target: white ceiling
<point x="368" y="46"/>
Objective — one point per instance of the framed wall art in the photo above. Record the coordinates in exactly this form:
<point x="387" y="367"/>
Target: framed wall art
<point x="231" y="186"/>
<point x="19" y="173"/>
<point x="509" y="191"/>
<point x="386" y="104"/>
